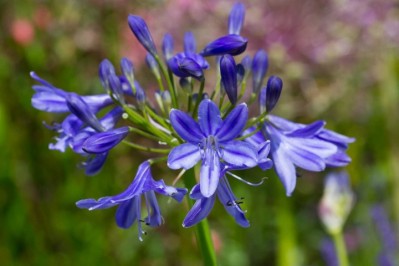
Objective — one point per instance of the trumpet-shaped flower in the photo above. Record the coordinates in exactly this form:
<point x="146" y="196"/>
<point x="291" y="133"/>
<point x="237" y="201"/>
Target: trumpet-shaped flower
<point x="211" y="140"/>
<point x="129" y="201"/>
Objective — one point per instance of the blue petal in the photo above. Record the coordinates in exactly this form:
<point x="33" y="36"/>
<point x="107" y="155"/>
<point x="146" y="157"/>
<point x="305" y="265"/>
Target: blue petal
<point x="195" y="192"/>
<point x="210" y="173"/>
<point x="285" y="169"/>
<point x="236" y="18"/>
<point x="184" y="156"/>
<point x="283" y="123"/>
<point x="240" y="153"/>
<point x="308" y="131"/>
<point x="93" y="204"/>
<point x="128" y="212"/>
<point x="136" y="188"/>
<point x="228" y="200"/>
<point x="339" y="159"/>
<point x="186" y="126"/>
<point x="255" y="139"/>
<point x="336" y="138"/>
<point x="209" y="117"/>
<point x="94" y="163"/>
<point x="321" y="148"/>
<point x="154" y="218"/>
<point x="233" y="124"/>
<point x="111" y="118"/>
<point x="263" y="152"/>
<point x="306" y="160"/>
<point x="97" y="102"/>
<point x="199" y="211"/>
<point x="105" y="141"/>
<point x="160" y="187"/>
<point x="49" y="102"/>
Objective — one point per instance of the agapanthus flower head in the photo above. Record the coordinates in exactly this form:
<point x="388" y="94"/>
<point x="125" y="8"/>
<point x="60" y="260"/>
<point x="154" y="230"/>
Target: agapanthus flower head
<point x="142" y="33"/>
<point x="211" y="141"/>
<point x="260" y="64"/>
<point x="236" y="18"/>
<point x="232" y="44"/>
<point x="129" y="201"/>
<point x="228" y="73"/>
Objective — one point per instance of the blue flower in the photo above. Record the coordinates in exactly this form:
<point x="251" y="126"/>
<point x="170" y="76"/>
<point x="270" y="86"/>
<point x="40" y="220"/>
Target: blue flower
<point x="167" y="46"/>
<point x="310" y="147"/>
<point x="269" y="95"/>
<point x="129" y="201"/>
<point x="105" y="141"/>
<point x="211" y="140"/>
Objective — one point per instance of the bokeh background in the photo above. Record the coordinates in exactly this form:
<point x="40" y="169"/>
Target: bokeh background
<point x="339" y="60"/>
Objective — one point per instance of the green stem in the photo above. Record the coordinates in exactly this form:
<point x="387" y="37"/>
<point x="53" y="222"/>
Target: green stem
<point x="200" y="92"/>
<point x="143" y="148"/>
<point x="203" y="233"/>
<point x="340" y="248"/>
<point x="168" y="80"/>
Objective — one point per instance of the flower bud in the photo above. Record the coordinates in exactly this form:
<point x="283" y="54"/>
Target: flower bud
<point x="260" y="64"/>
<point x="127" y="69"/>
<point x="246" y="63"/>
<point x="273" y="91"/>
<point x="228" y="74"/>
<point x="236" y="18"/>
<point x="337" y="202"/>
<point x="105" y="69"/>
<point x="189" y="43"/>
<point x="232" y="44"/>
<point x="143" y="35"/>
<point x="185" y="84"/>
<point x="116" y="88"/>
<point x="153" y="65"/>
<point x="105" y="141"/>
<point x="167" y="46"/>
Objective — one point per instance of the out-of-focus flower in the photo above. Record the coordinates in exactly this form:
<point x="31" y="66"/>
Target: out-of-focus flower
<point x="22" y="31"/>
<point x="337" y="202"/>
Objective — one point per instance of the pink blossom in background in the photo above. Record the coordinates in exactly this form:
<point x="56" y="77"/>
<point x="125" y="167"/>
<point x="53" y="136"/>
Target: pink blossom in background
<point x="22" y="31"/>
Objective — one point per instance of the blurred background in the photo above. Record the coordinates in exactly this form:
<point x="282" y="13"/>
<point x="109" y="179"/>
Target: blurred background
<point x="339" y="60"/>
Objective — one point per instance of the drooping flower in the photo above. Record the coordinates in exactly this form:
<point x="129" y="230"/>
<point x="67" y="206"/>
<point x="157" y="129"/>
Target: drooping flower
<point x="300" y="145"/>
<point x="211" y="140"/>
<point x="129" y="201"/>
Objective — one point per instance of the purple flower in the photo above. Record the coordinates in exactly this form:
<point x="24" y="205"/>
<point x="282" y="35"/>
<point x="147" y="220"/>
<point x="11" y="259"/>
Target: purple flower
<point x="232" y="44"/>
<point x="236" y="18"/>
<point x="228" y="75"/>
<point x="260" y="65"/>
<point x="211" y="140"/>
<point x="129" y="201"/>
<point x="105" y="141"/>
<point x="190" y="46"/>
<point x="142" y="33"/>
<point x="304" y="146"/>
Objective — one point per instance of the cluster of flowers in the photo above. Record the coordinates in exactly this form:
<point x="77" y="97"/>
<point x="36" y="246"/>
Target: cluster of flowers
<point x="222" y="139"/>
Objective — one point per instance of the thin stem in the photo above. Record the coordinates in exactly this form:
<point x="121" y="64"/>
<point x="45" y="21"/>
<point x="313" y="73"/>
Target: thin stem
<point x="143" y="133"/>
<point x="249" y="134"/>
<point x="143" y="148"/>
<point x="200" y="92"/>
<point x="168" y="80"/>
<point x="203" y="233"/>
<point x="340" y="248"/>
